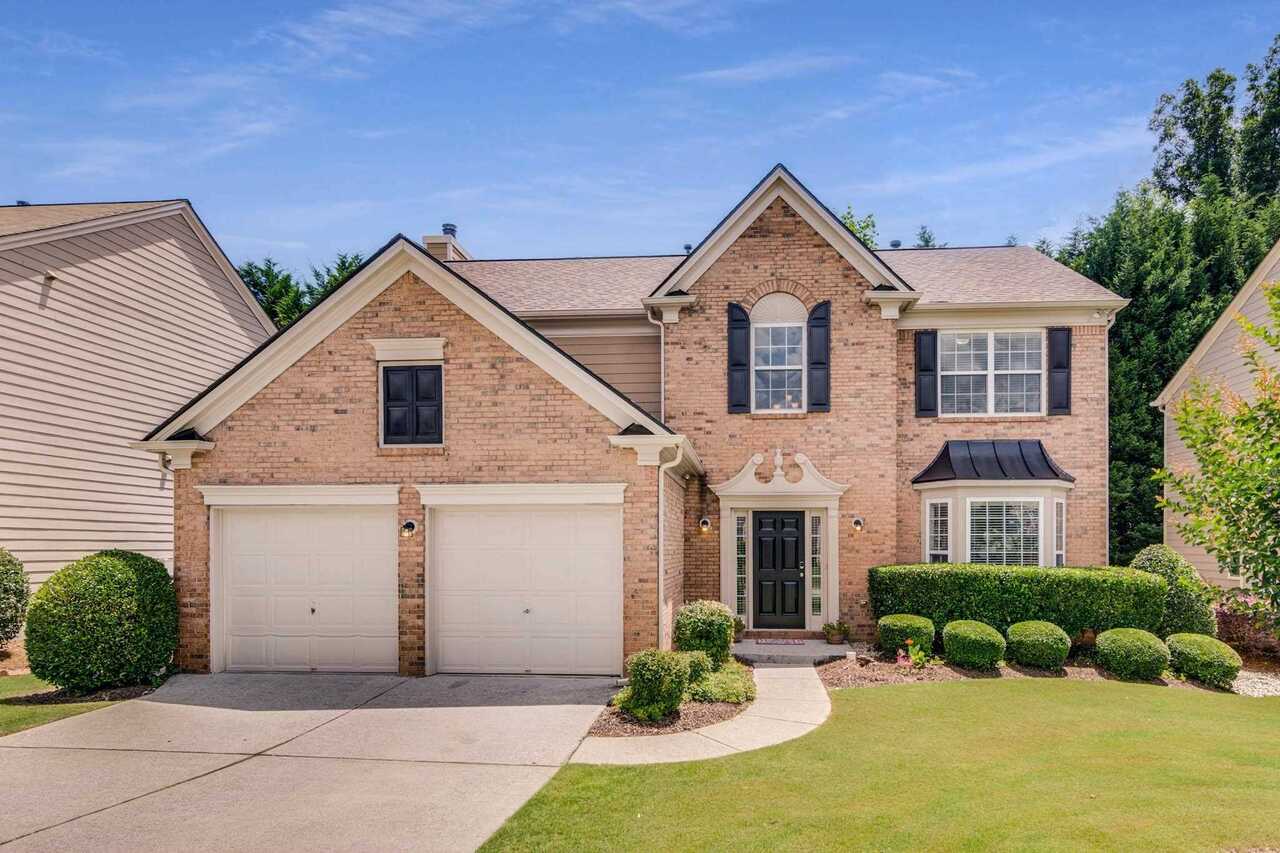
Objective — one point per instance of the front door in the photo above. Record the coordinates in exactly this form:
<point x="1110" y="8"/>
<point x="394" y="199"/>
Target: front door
<point x="779" y="569"/>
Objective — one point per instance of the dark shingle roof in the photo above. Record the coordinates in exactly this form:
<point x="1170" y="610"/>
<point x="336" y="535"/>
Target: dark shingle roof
<point x="999" y="459"/>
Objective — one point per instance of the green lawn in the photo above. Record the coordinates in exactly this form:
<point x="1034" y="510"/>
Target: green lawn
<point x="14" y="717"/>
<point x="1018" y="764"/>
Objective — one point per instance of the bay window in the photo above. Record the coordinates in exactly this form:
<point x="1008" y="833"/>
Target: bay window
<point x="1004" y="532"/>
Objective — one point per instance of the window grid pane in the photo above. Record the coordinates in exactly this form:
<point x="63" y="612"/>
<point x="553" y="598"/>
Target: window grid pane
<point x="990" y="373"/>
<point x="1004" y="532"/>
<point x="778" y="360"/>
<point x="740" y="566"/>
<point x="1059" y="533"/>
<point x="939" y="541"/>
<point x="815" y="565"/>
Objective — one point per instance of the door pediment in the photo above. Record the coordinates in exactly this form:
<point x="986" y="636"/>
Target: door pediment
<point x="812" y="483"/>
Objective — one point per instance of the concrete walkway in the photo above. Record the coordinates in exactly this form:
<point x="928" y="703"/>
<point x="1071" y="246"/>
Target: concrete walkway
<point x="790" y="702"/>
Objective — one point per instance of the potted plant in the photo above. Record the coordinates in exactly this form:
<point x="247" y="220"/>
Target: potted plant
<point x="739" y="628"/>
<point x="837" y="632"/>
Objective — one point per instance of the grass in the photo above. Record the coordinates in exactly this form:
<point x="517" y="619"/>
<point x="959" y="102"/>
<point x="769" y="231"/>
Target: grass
<point x="1038" y="764"/>
<point x="14" y="717"/>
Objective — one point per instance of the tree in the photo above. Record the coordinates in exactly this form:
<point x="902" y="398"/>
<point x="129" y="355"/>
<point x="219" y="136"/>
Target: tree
<point x="275" y="289"/>
<point x="1045" y="247"/>
<point x="1260" y="127"/>
<point x="1231" y="505"/>
<point x="1011" y="240"/>
<point x="863" y="228"/>
<point x="1195" y="134"/>
<point x="328" y="278"/>
<point x="926" y="240"/>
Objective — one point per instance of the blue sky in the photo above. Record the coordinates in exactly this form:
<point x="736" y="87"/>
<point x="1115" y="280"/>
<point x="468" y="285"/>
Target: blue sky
<point x="598" y="127"/>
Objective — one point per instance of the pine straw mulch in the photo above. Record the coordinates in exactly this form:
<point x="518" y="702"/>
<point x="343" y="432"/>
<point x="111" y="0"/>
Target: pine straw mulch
<point x="65" y="697"/>
<point x="614" y="722"/>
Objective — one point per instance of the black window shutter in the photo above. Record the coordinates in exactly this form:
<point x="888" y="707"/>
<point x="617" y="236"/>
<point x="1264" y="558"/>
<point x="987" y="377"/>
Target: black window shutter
<point x="739" y="359"/>
<point x="927" y="373"/>
<point x="1060" y="371"/>
<point x="819" y="379"/>
<point x="412" y="405"/>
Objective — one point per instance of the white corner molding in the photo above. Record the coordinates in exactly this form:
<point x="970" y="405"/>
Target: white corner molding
<point x="363" y="495"/>
<point x="520" y="494"/>
<point x="669" y="306"/>
<point x="812" y="483"/>
<point x="407" y="349"/>
<point x="649" y="450"/>
<point x="178" y="453"/>
<point x="891" y="302"/>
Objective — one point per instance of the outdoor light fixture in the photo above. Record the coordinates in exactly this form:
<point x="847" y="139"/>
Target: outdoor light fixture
<point x="704" y="524"/>
<point x="409" y="528"/>
<point x="858" y="524"/>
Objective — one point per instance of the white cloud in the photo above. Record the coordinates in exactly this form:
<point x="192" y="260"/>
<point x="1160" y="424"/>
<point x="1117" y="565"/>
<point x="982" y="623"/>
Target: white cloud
<point x="683" y="17"/>
<point x="55" y="44"/>
<point x="780" y="67"/>
<point x="102" y="157"/>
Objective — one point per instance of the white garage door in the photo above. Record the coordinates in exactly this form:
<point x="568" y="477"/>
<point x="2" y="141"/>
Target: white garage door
<point x="310" y="588"/>
<point x="527" y="590"/>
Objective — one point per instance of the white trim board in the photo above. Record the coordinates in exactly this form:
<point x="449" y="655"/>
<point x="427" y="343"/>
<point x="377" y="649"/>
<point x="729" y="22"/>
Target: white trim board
<point x="520" y="494"/>
<point x="407" y="349"/>
<point x="371" y="495"/>
<point x="397" y="258"/>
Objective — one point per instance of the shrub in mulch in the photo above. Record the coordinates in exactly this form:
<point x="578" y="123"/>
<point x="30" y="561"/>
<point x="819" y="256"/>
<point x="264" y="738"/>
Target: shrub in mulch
<point x="1132" y="653"/>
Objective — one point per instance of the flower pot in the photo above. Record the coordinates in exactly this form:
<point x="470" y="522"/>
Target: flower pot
<point x="837" y="639"/>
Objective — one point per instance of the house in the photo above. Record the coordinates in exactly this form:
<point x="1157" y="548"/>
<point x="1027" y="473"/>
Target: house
<point x="113" y="315"/>
<point x="459" y="465"/>
<point x="1217" y="358"/>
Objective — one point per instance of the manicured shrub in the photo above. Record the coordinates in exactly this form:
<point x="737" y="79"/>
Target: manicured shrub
<point x="1132" y="653"/>
<point x="14" y="594"/>
<point x="1188" y="604"/>
<point x="105" y="620"/>
<point x="1040" y="644"/>
<point x="896" y="628"/>
<point x="732" y="683"/>
<point x="699" y="666"/>
<point x="705" y="626"/>
<point x="1074" y="599"/>
<point x="1203" y="658"/>
<point x="973" y="645"/>
<point x="656" y="686"/>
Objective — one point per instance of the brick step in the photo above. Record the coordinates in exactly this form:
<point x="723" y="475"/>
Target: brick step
<point x="783" y="634"/>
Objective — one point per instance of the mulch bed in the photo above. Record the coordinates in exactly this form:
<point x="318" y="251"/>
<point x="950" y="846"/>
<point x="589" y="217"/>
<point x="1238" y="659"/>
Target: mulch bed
<point x="13" y="659"/>
<point x="613" y="722"/>
<point x="64" y="697"/>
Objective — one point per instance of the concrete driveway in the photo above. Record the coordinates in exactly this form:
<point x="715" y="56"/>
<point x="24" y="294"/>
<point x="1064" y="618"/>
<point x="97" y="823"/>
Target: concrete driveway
<point x="290" y="762"/>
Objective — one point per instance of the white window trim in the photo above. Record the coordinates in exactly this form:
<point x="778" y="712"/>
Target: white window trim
<point x="991" y="373"/>
<point x="407" y="349"/>
<point x="804" y="373"/>
<point x="928" y="533"/>
<point x="968" y="526"/>
<point x="382" y="387"/>
<point x="1059" y="517"/>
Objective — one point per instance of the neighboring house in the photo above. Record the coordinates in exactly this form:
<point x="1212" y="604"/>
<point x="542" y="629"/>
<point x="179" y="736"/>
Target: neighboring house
<point x="1218" y="358"/>
<point x="437" y="469"/>
<point x="113" y="314"/>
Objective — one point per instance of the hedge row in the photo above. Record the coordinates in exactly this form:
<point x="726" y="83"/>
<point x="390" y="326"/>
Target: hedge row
<point x="1074" y="599"/>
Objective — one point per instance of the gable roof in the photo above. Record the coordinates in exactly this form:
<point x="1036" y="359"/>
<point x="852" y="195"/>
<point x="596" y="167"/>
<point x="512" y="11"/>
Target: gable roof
<point x="573" y="285"/>
<point x="31" y="224"/>
<point x="399" y="255"/>
<point x="780" y="183"/>
<point x="1256" y="279"/>
<point x="999" y="459"/>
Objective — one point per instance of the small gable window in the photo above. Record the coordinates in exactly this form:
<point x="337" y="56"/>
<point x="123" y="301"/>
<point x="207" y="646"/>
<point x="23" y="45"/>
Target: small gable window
<point x="412" y="404"/>
<point x="778" y="354"/>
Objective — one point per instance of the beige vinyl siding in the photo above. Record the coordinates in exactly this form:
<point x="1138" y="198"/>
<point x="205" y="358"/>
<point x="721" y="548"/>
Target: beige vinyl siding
<point x="138" y="319"/>
<point x="628" y="363"/>
<point x="1223" y="362"/>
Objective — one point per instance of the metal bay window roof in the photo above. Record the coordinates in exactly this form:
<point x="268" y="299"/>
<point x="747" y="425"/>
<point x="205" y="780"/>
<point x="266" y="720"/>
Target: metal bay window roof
<point x="998" y="459"/>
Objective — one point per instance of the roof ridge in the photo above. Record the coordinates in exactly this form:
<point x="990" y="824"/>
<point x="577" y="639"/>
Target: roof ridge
<point x="950" y="248"/>
<point x="564" y="258"/>
<point x="88" y="203"/>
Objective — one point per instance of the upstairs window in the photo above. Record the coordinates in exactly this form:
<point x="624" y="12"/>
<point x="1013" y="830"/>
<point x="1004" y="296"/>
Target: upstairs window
<point x="991" y="373"/>
<point x="412" y="404"/>
<point x="778" y="354"/>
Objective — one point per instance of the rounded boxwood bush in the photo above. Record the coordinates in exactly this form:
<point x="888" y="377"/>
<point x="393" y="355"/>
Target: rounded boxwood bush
<point x="1188" y="604"/>
<point x="14" y="594"/>
<point x="106" y="620"/>
<point x="656" y="685"/>
<point x="705" y="626"/>
<point x="699" y="666"/>
<point x="1040" y="644"/>
<point x="1203" y="658"/>
<point x="896" y="628"/>
<point x="973" y="645"/>
<point x="1132" y="653"/>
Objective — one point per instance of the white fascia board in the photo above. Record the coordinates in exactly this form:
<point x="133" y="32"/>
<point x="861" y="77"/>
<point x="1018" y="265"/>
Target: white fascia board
<point x="398" y="259"/>
<point x="993" y="315"/>
<point x="1219" y="327"/>
<point x="780" y="184"/>
<point x="362" y="495"/>
<point x="520" y="494"/>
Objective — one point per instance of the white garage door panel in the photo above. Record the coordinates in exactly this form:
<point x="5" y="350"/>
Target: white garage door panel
<point x="279" y="563"/>
<point x="561" y="564"/>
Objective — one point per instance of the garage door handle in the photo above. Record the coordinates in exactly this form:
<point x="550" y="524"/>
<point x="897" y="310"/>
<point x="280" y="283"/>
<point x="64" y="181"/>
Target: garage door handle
<point x="313" y="610"/>
<point x="526" y="610"/>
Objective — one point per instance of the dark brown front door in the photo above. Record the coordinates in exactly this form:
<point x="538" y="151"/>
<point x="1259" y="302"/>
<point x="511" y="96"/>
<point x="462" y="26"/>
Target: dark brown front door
<point x="779" y="569"/>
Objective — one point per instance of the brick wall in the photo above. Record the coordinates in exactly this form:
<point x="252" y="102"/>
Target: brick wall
<point x="505" y="421"/>
<point x="673" y="491"/>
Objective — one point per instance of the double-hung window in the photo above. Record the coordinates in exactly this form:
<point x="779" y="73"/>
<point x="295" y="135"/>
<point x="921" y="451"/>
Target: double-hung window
<point x="1059" y="533"/>
<point x="1004" y="532"/>
<point x="938" y="534"/>
<point x="778" y="354"/>
<point x="991" y="373"/>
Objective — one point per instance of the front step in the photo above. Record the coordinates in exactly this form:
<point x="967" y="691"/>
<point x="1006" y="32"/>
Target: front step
<point x="782" y="634"/>
<point x="808" y="651"/>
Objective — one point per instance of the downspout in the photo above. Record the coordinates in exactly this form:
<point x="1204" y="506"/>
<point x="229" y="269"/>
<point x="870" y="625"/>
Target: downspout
<point x="662" y="364"/>
<point x="662" y="523"/>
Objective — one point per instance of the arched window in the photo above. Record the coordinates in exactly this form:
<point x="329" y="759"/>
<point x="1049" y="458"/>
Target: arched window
<point x="778" y="354"/>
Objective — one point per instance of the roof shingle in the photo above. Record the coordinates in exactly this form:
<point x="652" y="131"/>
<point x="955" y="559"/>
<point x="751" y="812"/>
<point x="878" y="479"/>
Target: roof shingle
<point x="569" y="284"/>
<point x="22" y="218"/>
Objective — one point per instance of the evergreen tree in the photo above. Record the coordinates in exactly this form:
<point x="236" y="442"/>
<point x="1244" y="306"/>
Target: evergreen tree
<point x="275" y="289"/>
<point x="1260" y="127"/>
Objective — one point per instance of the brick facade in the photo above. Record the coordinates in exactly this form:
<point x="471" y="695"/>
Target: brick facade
<point x="505" y="420"/>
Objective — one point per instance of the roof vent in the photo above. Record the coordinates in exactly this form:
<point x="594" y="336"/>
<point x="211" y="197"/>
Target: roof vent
<point x="449" y="229"/>
<point x="895" y="244"/>
<point x="688" y="247"/>
<point x="22" y="203"/>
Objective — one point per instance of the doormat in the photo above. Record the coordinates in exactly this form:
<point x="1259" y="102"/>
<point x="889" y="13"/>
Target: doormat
<point x="787" y="642"/>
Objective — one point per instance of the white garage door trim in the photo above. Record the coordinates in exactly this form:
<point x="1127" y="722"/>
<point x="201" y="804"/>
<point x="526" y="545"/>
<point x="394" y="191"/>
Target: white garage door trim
<point x="533" y="499"/>
<point x="221" y="499"/>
